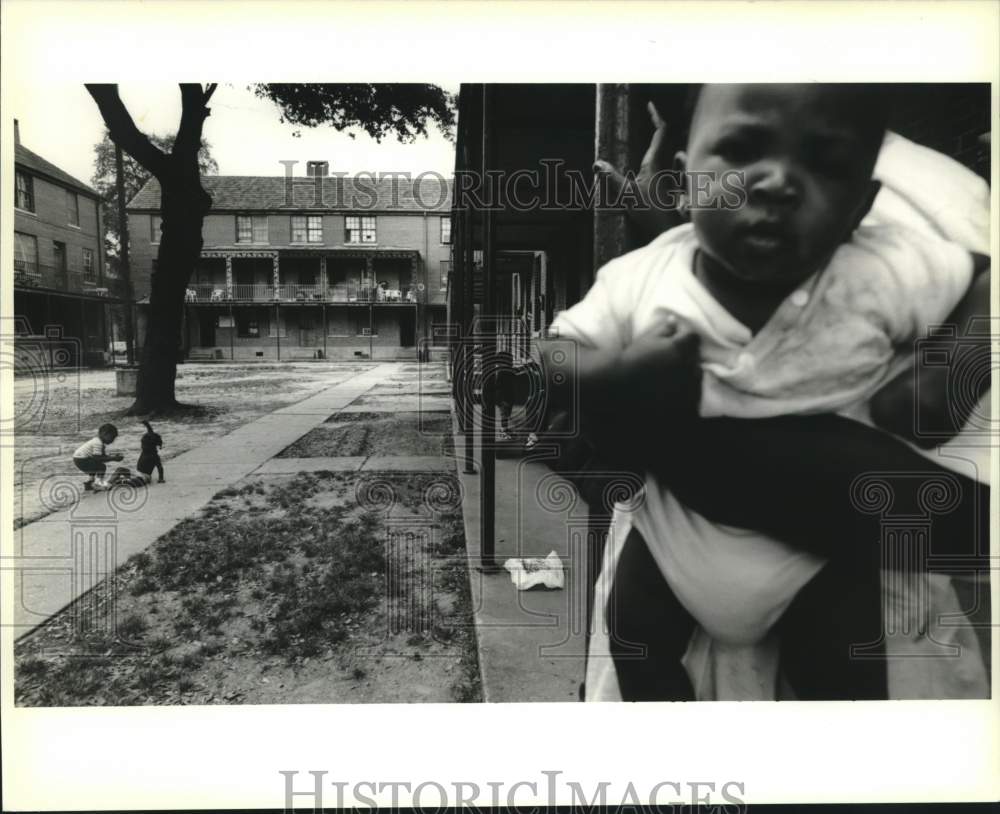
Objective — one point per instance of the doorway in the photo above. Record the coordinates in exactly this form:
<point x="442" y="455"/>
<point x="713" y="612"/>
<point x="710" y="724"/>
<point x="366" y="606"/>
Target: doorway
<point x="206" y="328"/>
<point x="407" y="327"/>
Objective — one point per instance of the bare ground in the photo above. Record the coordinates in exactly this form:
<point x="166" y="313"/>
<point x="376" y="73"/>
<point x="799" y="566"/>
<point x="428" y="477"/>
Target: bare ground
<point x="317" y="588"/>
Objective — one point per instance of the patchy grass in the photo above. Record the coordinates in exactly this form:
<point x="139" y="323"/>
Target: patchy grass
<point x="316" y="588"/>
<point x="365" y="433"/>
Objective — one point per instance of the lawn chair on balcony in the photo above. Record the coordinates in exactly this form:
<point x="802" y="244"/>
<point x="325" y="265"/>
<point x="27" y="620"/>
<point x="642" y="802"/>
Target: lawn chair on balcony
<point x="190" y="295"/>
<point x="393" y="295"/>
<point x="218" y="295"/>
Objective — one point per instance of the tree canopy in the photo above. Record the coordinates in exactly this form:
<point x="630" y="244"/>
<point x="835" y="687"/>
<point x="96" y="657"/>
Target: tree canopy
<point x="135" y="177"/>
<point x="402" y="109"/>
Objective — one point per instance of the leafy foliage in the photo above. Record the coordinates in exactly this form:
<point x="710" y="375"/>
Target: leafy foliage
<point x="135" y="177"/>
<point x="401" y="109"/>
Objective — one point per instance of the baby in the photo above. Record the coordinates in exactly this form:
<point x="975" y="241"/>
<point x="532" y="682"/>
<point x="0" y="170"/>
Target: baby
<point x="791" y="308"/>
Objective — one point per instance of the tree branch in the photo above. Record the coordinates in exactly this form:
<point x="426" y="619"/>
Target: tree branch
<point x="193" y="114"/>
<point x="123" y="130"/>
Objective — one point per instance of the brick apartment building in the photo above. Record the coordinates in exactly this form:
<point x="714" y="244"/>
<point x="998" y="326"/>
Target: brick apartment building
<point x="61" y="290"/>
<point x="315" y="267"/>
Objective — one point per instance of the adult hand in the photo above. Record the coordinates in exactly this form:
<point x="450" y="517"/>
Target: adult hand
<point x="650" y="185"/>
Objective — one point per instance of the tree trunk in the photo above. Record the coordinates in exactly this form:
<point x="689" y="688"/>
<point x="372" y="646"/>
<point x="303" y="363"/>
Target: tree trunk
<point x="183" y="205"/>
<point x="182" y="210"/>
<point x="124" y="269"/>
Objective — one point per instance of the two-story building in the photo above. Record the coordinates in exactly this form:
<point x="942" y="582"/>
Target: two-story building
<point x="60" y="285"/>
<point x="309" y="267"/>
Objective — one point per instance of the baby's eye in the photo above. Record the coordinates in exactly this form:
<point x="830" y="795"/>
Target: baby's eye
<point x="736" y="151"/>
<point x="828" y="162"/>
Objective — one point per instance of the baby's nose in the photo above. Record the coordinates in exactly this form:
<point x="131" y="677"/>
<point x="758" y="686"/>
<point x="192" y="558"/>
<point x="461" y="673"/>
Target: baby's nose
<point x="775" y="183"/>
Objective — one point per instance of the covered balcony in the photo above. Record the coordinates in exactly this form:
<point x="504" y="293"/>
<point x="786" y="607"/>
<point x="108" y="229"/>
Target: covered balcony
<point x="275" y="278"/>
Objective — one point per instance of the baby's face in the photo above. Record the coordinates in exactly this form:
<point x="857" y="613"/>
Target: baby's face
<point x="806" y="160"/>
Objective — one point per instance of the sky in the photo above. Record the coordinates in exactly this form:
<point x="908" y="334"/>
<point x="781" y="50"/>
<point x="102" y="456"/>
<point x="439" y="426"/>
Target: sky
<point x="61" y="123"/>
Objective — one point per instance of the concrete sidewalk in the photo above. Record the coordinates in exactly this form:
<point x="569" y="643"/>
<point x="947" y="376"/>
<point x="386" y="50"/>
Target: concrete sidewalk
<point x="532" y="644"/>
<point x="62" y="556"/>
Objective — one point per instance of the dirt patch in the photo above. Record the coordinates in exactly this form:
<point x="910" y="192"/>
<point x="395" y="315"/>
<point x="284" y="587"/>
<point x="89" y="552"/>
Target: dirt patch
<point x="365" y="433"/>
<point x="317" y="588"/>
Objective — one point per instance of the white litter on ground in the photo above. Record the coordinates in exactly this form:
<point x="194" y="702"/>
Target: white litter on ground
<point x="534" y="572"/>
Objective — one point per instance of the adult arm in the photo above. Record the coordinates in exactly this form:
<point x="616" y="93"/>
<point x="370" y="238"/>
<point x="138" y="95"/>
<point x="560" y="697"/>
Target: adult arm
<point x="930" y="404"/>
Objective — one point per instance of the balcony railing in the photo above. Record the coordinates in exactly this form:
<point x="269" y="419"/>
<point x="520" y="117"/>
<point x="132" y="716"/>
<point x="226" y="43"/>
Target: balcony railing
<point x="38" y="275"/>
<point x="298" y="292"/>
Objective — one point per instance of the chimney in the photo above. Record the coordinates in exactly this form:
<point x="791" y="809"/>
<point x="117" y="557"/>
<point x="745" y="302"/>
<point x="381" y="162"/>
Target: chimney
<point x="314" y="168"/>
<point x="17" y="132"/>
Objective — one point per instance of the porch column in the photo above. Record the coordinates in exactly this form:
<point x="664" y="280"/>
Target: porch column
<point x="322" y="276"/>
<point x="370" y="274"/>
<point x="276" y="281"/>
<point x="419" y="329"/>
<point x="229" y="277"/>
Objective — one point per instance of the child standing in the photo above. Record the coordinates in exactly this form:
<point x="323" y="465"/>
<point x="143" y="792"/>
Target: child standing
<point x="91" y="457"/>
<point x="796" y="310"/>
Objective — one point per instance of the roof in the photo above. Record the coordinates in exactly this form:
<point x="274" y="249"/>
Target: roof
<point x="25" y="158"/>
<point x="264" y="193"/>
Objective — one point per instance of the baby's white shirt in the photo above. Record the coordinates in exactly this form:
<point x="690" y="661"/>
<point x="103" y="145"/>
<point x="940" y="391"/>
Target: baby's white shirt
<point x="827" y="348"/>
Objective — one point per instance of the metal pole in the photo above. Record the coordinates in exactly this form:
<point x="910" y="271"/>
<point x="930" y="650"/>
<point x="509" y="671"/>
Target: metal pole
<point x="232" y="333"/>
<point x="456" y="305"/>
<point x="487" y="466"/>
<point x="83" y="331"/>
<point x="325" y="328"/>
<point x="114" y="355"/>
<point x="371" y="327"/>
<point x="468" y="309"/>
<point x="277" y="329"/>
<point x="48" y="321"/>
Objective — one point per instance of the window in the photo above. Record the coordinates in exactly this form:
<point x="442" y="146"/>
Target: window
<point x="88" y="266"/>
<point x="72" y="208"/>
<point x="359" y="229"/>
<point x="155" y="228"/>
<point x="445" y="231"/>
<point x="307" y="229"/>
<point x="445" y="271"/>
<point x="251" y="229"/>
<point x="24" y="191"/>
<point x="59" y="255"/>
<point x="25" y="256"/>
<point x="246" y="327"/>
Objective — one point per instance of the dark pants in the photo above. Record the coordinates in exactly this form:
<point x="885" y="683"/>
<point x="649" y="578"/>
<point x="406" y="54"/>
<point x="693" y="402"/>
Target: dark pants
<point x="838" y="609"/>
<point x="792" y="478"/>
<point x="92" y="466"/>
